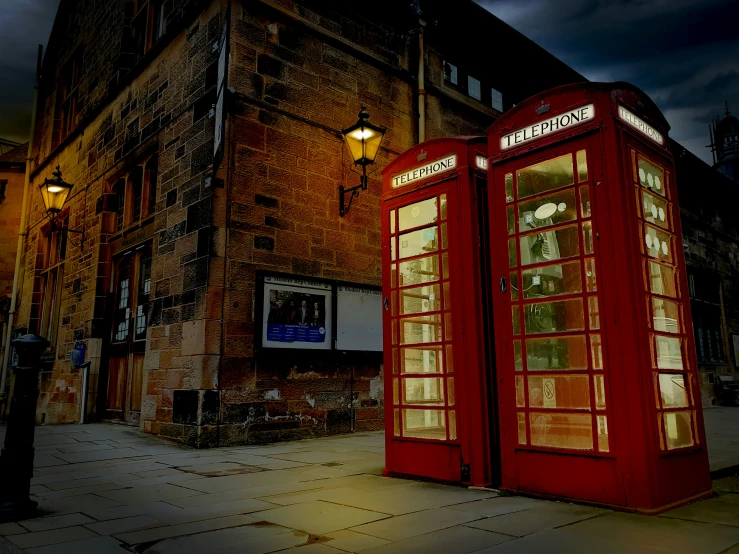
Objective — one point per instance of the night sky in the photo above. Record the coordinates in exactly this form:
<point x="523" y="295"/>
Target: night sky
<point x="683" y="53"/>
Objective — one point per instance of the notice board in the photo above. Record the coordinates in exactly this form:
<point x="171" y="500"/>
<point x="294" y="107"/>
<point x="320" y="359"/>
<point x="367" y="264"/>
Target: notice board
<point x="358" y="318"/>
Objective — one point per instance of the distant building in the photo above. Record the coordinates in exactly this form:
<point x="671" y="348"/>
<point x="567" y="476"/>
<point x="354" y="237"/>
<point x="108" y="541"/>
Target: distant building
<point x="12" y="176"/>
<point x="725" y="145"/>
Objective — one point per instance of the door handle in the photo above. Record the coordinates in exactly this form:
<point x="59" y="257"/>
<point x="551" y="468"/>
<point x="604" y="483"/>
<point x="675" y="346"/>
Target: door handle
<point x="385" y="303"/>
<point x="503" y="285"/>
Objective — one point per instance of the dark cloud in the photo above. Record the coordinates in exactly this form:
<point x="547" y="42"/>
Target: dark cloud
<point x="24" y="24"/>
<point x="683" y="53"/>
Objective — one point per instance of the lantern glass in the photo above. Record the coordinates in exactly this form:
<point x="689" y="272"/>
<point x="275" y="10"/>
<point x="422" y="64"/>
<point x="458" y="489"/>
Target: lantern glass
<point x="54" y="194"/>
<point x="363" y="140"/>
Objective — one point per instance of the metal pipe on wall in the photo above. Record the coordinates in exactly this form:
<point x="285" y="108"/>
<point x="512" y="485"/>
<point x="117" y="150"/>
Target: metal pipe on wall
<point x="22" y="231"/>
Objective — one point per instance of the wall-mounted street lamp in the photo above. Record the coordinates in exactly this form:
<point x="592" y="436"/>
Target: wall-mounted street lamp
<point x="54" y="193"/>
<point x="363" y="140"/>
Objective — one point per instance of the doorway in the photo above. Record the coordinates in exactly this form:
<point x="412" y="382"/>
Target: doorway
<point x="130" y="310"/>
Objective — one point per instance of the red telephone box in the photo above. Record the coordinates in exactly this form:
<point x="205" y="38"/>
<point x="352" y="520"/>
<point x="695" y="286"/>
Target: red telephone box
<point x="438" y="385"/>
<point x="597" y="388"/>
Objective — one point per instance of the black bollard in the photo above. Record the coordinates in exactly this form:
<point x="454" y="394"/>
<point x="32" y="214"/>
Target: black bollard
<point x="16" y="459"/>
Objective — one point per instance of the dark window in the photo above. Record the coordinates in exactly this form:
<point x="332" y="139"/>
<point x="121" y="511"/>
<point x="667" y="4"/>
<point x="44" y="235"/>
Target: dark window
<point x="69" y="100"/>
<point x="136" y="193"/>
<point x="3" y="186"/>
<point x="482" y="91"/>
<point x="53" y="254"/>
<point x="149" y="25"/>
<point x="705" y="306"/>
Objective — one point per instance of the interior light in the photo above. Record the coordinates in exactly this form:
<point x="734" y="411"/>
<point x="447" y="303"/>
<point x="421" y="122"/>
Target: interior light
<point x="54" y="189"/>
<point x="562" y="207"/>
<point x="545" y="210"/>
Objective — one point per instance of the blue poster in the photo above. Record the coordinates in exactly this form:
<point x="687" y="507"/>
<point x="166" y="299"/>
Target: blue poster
<point x="296" y="317"/>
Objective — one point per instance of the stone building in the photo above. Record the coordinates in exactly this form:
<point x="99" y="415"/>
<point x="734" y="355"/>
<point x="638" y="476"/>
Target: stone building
<point x="158" y="275"/>
<point x="12" y="176"/>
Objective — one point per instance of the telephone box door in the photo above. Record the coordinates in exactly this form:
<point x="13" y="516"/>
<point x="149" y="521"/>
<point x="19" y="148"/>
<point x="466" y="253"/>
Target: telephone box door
<point x="553" y="372"/>
<point x="418" y="326"/>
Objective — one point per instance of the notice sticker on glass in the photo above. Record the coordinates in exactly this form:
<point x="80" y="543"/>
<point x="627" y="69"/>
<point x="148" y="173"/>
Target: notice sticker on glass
<point x="549" y="392"/>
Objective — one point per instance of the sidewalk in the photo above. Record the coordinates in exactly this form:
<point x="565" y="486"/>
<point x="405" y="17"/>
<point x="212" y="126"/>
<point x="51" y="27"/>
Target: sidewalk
<point x="108" y="488"/>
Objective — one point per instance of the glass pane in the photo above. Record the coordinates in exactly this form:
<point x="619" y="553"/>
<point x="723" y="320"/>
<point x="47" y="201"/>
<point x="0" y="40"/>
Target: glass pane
<point x="544" y="176"/>
<point x="448" y="327"/>
<point x="600" y="392"/>
<point x="668" y="353"/>
<point x="418" y="360"/>
<point x="561" y="391"/>
<point x="651" y="176"/>
<point x="516" y="318"/>
<point x="418" y="242"/>
<point x="584" y="202"/>
<point x="420" y="270"/>
<point x="673" y="390"/>
<point x="587" y="237"/>
<point x="590" y="277"/>
<point x="593" y="313"/>
<point x="394" y="331"/>
<point x="666" y="315"/>
<point x="396" y="393"/>
<point x="424" y="424"/>
<point x="392" y="248"/>
<point x="444" y="237"/>
<point x="420" y="299"/>
<point x="445" y="265"/>
<point x="521" y="428"/>
<point x="520" y="393"/>
<point x="452" y="425"/>
<point x="552" y="280"/>
<point x="602" y="433"/>
<point x="509" y="187"/>
<point x="423" y="390"/>
<point x="514" y="285"/>
<point x="662" y="279"/>
<point x="655" y="210"/>
<point x="396" y="422"/>
<point x="447" y="296"/>
<point x="659" y="244"/>
<point x="677" y="430"/>
<point x="420" y="329"/>
<point x="549" y="245"/>
<point x="582" y="166"/>
<point x="554" y="317"/>
<point x="392" y="222"/>
<point x="596" y="351"/>
<point x="394" y="275"/>
<point x="417" y="215"/>
<point x="511" y="220"/>
<point x="517" y="356"/>
<point x="394" y="303"/>
<point x="449" y="358"/>
<point x="450" y="391"/>
<point x="512" y="253"/>
<point x="561" y="430"/>
<point x="556" y="353"/>
<point x="443" y="206"/>
<point x="546" y="211"/>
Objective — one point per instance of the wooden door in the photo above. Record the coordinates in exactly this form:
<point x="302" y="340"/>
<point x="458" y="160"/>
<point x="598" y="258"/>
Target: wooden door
<point x="131" y="289"/>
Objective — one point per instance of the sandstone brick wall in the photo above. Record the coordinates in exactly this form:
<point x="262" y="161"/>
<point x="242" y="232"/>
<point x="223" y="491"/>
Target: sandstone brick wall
<point x="10" y="218"/>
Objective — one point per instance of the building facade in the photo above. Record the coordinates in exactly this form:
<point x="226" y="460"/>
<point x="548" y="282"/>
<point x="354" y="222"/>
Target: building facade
<point x="160" y="277"/>
<point x="12" y="176"/>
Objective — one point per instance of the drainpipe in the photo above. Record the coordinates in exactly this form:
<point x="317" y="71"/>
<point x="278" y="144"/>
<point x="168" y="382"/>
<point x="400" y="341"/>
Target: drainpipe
<point x="22" y="232"/>
<point x="421" y="86"/>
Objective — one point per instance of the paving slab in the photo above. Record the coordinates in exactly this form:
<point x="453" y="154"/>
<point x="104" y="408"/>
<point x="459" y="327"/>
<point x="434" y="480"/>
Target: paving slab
<point x="169" y="531"/>
<point x="537" y="519"/>
<point x="499" y="505"/>
<point x="55" y="536"/>
<point x="713" y="510"/>
<point x="668" y="534"/>
<point x="11" y="528"/>
<point x="459" y="540"/>
<point x="116" y="526"/>
<point x="351" y="541"/>
<point x="414" y="499"/>
<point x="94" y="545"/>
<point x="154" y="493"/>
<point x="257" y="538"/>
<point x="417" y="523"/>
<point x="319" y="517"/>
<point x="557" y="541"/>
<point x="56" y="522"/>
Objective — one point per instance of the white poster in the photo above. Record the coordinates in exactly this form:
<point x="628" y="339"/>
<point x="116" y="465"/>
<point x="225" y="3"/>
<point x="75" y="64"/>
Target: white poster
<point x="359" y="319"/>
<point x="297" y="314"/>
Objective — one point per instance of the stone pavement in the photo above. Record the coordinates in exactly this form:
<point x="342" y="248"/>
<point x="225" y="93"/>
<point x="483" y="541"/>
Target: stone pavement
<point x="108" y="488"/>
